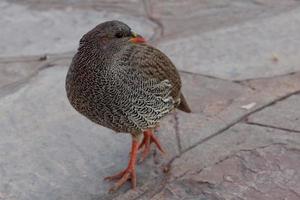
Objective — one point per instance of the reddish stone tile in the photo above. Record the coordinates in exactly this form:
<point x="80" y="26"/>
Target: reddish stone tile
<point x="245" y="162"/>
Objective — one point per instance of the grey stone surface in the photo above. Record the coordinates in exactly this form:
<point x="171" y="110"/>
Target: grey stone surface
<point x="26" y="31"/>
<point x="218" y="103"/>
<point x="49" y="151"/>
<point x="16" y="71"/>
<point x="196" y="132"/>
<point x="210" y="96"/>
<point x="214" y="103"/>
<point x="283" y="114"/>
<point x="246" y="162"/>
<point x="275" y="86"/>
<point x="239" y="137"/>
<point x="191" y="17"/>
<point x="259" y="48"/>
<point x="132" y="6"/>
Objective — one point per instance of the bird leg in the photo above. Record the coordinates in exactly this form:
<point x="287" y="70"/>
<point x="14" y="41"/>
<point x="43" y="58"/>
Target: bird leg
<point x="129" y="172"/>
<point x="149" y="137"/>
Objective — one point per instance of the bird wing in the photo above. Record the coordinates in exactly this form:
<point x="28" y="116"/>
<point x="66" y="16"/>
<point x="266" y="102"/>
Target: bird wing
<point x="141" y="99"/>
<point x="157" y="65"/>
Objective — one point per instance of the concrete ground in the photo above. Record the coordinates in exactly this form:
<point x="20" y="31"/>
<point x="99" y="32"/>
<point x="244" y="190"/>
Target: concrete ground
<point x="240" y="66"/>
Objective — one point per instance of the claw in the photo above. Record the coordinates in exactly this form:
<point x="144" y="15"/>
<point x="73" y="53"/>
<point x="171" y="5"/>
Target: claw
<point x="123" y="176"/>
<point x="128" y="173"/>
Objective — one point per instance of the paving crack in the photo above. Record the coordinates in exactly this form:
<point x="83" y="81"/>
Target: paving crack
<point x="15" y="86"/>
<point x="245" y="85"/>
<point x="31" y="58"/>
<point x="232" y="155"/>
<point x="159" y="30"/>
<point x="205" y="75"/>
<point x="245" y="81"/>
<point x="255" y="2"/>
<point x="166" y="179"/>
<point x="153" y="189"/>
<point x="176" y="128"/>
<point x="157" y="188"/>
<point x="263" y="147"/>
<point x="273" y="127"/>
<point x="240" y="119"/>
<point x="244" y="167"/>
<point x="295" y="193"/>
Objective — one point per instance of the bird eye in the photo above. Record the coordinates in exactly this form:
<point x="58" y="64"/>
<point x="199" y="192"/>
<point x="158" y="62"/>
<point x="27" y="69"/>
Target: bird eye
<point x="119" y="35"/>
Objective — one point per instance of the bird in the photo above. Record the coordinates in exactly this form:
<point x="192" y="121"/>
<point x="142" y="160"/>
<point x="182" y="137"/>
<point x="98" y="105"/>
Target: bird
<point x="119" y="81"/>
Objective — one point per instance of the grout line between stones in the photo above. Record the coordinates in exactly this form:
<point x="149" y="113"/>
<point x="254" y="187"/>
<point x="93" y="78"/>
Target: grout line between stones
<point x="12" y="87"/>
<point x="205" y="75"/>
<point x="35" y="58"/>
<point x="260" y="78"/>
<point x="176" y="127"/>
<point x="240" y="119"/>
<point x="159" y="31"/>
<point x="68" y="55"/>
<point x="273" y="127"/>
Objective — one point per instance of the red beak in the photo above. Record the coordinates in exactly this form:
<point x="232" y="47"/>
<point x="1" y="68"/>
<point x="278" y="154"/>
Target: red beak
<point x="137" y="39"/>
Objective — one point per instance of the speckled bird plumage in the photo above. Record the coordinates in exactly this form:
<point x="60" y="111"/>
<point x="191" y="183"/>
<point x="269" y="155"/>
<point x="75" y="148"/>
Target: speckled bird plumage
<point x="124" y="86"/>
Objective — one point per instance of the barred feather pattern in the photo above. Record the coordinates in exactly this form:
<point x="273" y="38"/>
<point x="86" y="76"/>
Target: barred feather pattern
<point x="128" y="90"/>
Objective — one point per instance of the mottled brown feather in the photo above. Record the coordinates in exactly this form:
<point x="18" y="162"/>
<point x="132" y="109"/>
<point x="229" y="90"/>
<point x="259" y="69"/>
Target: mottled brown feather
<point x="121" y="85"/>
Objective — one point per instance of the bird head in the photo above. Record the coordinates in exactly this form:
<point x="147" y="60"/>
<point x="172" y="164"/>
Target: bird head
<point x="111" y="31"/>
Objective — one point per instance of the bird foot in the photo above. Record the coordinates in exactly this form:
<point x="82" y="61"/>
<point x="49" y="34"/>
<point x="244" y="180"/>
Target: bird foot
<point x="149" y="138"/>
<point x="127" y="174"/>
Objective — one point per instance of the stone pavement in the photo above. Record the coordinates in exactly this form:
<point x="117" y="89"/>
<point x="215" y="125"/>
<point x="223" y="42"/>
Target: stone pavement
<point x="240" y="66"/>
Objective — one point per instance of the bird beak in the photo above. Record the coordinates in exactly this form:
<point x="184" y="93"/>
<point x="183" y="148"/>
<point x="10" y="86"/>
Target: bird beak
<point x="136" y="38"/>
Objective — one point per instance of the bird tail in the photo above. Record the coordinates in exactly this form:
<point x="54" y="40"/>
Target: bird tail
<point x="183" y="106"/>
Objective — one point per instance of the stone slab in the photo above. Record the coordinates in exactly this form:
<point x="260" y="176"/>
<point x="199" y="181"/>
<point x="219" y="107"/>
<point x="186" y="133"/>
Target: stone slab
<point x="264" y="47"/>
<point x="274" y="86"/>
<point x="283" y="114"/>
<point x="209" y="96"/>
<point x="191" y="17"/>
<point x="49" y="151"/>
<point x="245" y="162"/>
<point x="16" y="71"/>
<point x="134" y="7"/>
<point x="218" y="103"/>
<point x="27" y="31"/>
<point x="209" y="99"/>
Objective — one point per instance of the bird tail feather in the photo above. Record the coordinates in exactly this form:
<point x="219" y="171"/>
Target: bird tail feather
<point x="183" y="106"/>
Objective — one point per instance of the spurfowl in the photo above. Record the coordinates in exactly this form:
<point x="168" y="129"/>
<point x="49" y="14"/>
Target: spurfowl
<point x="120" y="82"/>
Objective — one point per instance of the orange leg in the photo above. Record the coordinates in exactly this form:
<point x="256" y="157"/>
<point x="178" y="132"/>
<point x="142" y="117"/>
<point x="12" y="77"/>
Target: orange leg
<point x="129" y="172"/>
<point x="149" y="137"/>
